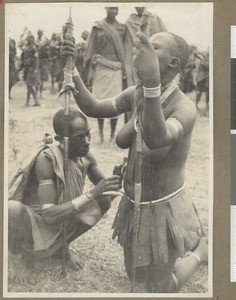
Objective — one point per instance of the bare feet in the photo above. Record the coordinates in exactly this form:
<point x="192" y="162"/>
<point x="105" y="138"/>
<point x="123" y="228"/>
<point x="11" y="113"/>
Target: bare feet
<point x="21" y="269"/>
<point x="202" y="250"/>
<point x="73" y="259"/>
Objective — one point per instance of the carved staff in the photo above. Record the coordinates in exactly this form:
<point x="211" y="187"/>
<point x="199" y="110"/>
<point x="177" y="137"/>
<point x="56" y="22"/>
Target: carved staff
<point x="67" y="89"/>
<point x="144" y="27"/>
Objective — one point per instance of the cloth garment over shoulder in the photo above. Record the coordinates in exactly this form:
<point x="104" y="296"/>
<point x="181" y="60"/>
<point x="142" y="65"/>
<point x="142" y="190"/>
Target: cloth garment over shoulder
<point x="107" y="41"/>
<point x="47" y="239"/>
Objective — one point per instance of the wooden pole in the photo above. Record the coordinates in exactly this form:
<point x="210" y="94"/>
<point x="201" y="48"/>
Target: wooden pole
<point x="145" y="23"/>
<point x="67" y="88"/>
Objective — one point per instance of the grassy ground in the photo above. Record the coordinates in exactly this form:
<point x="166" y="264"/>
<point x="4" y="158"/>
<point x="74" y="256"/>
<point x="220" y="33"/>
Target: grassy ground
<point x="104" y="270"/>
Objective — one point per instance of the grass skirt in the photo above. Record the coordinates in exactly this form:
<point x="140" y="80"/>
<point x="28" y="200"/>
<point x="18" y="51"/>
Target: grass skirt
<point x="171" y="223"/>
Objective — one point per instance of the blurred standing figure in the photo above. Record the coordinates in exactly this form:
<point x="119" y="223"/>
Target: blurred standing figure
<point x="42" y="44"/>
<point x="29" y="64"/>
<point x="104" y="61"/>
<point x="80" y="53"/>
<point x="23" y="38"/>
<point x="189" y="82"/>
<point x="85" y="35"/>
<point x="56" y="68"/>
<point x="13" y="75"/>
<point x="203" y="79"/>
<point x="79" y="60"/>
<point x="133" y="23"/>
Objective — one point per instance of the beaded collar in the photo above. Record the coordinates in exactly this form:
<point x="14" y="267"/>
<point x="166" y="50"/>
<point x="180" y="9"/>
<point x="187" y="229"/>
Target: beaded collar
<point x="168" y="92"/>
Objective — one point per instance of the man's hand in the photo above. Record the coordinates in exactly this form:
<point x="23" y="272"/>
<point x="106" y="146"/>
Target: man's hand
<point x="112" y="183"/>
<point x="67" y="49"/>
<point x="146" y="61"/>
<point x="120" y="169"/>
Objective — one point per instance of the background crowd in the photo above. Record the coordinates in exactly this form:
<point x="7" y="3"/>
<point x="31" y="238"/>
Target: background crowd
<point x="36" y="60"/>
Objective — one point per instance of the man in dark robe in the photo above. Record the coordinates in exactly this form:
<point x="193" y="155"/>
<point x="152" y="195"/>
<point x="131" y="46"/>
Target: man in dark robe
<point x="13" y="74"/>
<point x="56" y="67"/>
<point x="29" y="64"/>
<point x="42" y="44"/>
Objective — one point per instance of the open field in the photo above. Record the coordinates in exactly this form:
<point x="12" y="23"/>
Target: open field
<point x="104" y="270"/>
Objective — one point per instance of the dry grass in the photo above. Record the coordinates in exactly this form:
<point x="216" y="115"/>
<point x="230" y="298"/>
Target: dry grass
<point x="104" y="270"/>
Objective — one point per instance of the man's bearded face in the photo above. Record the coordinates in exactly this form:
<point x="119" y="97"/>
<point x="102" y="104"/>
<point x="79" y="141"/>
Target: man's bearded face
<point x="79" y="139"/>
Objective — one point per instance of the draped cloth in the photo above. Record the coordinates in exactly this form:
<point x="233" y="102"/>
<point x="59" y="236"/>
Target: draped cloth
<point x="55" y="66"/>
<point x="42" y="45"/>
<point x="47" y="239"/>
<point x="13" y="75"/>
<point x="203" y="74"/>
<point x="133" y="25"/>
<point x="111" y="34"/>
<point x="107" y="80"/>
<point x="29" y="64"/>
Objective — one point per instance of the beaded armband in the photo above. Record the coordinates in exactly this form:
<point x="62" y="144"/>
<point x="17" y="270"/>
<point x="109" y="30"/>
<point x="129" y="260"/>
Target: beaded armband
<point x="176" y="125"/>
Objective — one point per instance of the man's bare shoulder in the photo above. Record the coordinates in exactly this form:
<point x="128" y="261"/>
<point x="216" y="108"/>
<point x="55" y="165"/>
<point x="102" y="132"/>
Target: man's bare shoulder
<point x="43" y="167"/>
<point x="90" y="159"/>
<point x="184" y="104"/>
<point x="184" y="110"/>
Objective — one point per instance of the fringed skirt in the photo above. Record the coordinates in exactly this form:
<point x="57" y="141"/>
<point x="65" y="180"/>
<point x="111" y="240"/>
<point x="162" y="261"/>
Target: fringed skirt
<point x="170" y="223"/>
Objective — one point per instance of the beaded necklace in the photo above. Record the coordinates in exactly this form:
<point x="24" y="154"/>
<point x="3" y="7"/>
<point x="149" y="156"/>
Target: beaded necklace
<point x="168" y="92"/>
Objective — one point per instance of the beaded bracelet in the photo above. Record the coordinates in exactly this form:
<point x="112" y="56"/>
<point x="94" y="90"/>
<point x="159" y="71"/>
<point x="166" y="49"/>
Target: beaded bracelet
<point x="73" y="202"/>
<point x="85" y="196"/>
<point x="90" y="196"/>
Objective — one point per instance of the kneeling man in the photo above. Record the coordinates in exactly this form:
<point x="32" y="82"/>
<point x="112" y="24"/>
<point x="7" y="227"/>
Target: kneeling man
<point x="37" y="205"/>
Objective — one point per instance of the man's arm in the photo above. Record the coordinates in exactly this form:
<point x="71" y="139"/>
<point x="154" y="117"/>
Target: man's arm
<point x="124" y="138"/>
<point x="92" y="107"/>
<point x="158" y="132"/>
<point x="47" y="192"/>
<point x="94" y="173"/>
<point x="105" y="108"/>
<point x="96" y="177"/>
<point x="53" y="213"/>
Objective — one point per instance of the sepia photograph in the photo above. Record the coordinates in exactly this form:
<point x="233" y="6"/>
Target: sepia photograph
<point x="108" y="147"/>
